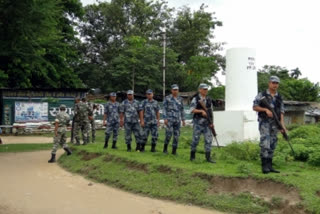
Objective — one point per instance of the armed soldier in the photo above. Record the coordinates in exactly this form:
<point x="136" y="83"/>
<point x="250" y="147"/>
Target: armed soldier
<point x="201" y="123"/>
<point x="84" y="114"/>
<point x="149" y="120"/>
<point x="173" y="114"/>
<point x="75" y="122"/>
<point x="111" y="115"/>
<point x="267" y="124"/>
<point x="61" y="122"/>
<point x="129" y="117"/>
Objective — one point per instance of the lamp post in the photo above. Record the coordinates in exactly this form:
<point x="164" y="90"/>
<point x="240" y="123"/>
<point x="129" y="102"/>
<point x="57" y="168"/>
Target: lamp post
<point x="164" y="62"/>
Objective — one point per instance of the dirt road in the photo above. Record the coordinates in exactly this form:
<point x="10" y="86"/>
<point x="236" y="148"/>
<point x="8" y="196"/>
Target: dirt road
<point x="29" y="185"/>
<point x="27" y="139"/>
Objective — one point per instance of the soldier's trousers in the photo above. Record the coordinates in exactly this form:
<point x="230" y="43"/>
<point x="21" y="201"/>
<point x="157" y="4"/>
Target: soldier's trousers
<point x="153" y="129"/>
<point x="93" y="130"/>
<point x="134" y="128"/>
<point x="199" y="129"/>
<point x="112" y="128"/>
<point x="84" y="127"/>
<point x="60" y="139"/>
<point x="173" y="128"/>
<point x="268" y="138"/>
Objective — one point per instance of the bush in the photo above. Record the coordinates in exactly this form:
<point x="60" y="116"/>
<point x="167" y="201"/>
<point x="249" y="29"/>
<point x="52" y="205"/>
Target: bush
<point x="305" y="132"/>
<point x="314" y="158"/>
<point x="243" y="151"/>
<point x="302" y="152"/>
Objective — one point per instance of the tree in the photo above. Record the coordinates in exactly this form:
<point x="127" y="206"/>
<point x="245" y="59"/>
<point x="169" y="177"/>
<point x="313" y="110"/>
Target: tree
<point x="36" y="43"/>
<point x="295" y="73"/>
<point x="217" y="92"/>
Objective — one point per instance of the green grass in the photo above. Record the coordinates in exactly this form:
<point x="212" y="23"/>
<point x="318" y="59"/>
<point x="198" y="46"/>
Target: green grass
<point x="24" y="147"/>
<point x="176" y="178"/>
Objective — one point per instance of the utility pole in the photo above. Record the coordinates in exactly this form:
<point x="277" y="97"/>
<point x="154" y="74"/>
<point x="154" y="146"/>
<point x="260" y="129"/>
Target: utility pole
<point x="164" y="62"/>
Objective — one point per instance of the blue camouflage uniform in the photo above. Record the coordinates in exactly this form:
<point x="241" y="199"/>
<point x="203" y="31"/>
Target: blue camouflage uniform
<point x="112" y="111"/>
<point x="173" y="111"/>
<point x="201" y="125"/>
<point x="267" y="126"/>
<point x="130" y="109"/>
<point x="150" y="109"/>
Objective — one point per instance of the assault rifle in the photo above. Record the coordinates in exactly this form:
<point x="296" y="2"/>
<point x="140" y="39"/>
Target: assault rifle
<point x="211" y="126"/>
<point x="264" y="101"/>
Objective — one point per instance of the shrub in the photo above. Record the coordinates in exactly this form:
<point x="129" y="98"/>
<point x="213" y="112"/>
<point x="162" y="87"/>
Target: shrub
<point x="314" y="158"/>
<point x="302" y="152"/>
<point x="243" y="151"/>
<point x="305" y="132"/>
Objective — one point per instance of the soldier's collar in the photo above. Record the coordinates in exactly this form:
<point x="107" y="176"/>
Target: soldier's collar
<point x="268" y="92"/>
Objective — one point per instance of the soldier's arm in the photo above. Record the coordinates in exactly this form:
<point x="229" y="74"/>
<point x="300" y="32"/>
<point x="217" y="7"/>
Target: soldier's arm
<point x="193" y="107"/>
<point x="182" y="112"/>
<point x="56" y="126"/>
<point x="121" y="113"/>
<point x="165" y="105"/>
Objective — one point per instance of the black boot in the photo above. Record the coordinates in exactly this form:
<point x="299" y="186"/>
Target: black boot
<point x="174" y="150"/>
<point x="264" y="166"/>
<point x="165" y="148"/>
<point x="114" y="145"/>
<point x="153" y="147"/>
<point x="208" y="158"/>
<point x="192" y="156"/>
<point x="128" y="147"/>
<point x="53" y="158"/>
<point x="270" y="166"/>
<point x="142" y="147"/>
<point x="105" y="144"/>
<point x="138" y="147"/>
<point x="68" y="151"/>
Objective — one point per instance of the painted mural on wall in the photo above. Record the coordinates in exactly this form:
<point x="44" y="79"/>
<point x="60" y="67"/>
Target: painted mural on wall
<point x="31" y="111"/>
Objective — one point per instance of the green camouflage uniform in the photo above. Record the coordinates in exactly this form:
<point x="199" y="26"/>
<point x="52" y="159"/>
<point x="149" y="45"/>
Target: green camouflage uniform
<point x="63" y="119"/>
<point x="82" y="111"/>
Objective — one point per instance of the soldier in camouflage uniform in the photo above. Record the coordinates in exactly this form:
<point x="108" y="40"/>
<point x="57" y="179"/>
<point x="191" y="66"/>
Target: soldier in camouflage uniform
<point x="111" y="114"/>
<point x="149" y="120"/>
<point x="267" y="125"/>
<point x="173" y="113"/>
<point x="94" y="108"/>
<point x="61" y="122"/>
<point x="75" y="120"/>
<point x="84" y="114"/>
<point x="129" y="117"/>
<point x="201" y="123"/>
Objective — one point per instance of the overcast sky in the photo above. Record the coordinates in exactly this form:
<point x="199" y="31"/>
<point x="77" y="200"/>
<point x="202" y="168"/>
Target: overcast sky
<point x="283" y="32"/>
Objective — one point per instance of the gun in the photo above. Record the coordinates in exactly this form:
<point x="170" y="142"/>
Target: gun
<point x="210" y="122"/>
<point x="264" y="101"/>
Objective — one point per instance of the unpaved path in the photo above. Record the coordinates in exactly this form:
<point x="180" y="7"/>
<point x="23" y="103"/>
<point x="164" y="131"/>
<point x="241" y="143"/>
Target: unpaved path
<point x="27" y="139"/>
<point x="29" y="185"/>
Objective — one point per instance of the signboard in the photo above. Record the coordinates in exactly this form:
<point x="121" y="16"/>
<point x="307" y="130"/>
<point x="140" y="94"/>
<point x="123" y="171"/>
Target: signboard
<point x="31" y="111"/>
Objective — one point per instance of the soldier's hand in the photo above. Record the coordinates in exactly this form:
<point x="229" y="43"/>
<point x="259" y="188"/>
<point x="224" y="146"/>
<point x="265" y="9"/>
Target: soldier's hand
<point x="158" y="123"/>
<point x="104" y="123"/>
<point x="204" y="114"/>
<point x="183" y="123"/>
<point x="269" y="113"/>
<point x="121" y="123"/>
<point x="166" y="122"/>
<point x="142" y="123"/>
<point x="211" y="125"/>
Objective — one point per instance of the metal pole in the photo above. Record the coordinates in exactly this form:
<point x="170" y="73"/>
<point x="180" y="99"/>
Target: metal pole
<point x="164" y="62"/>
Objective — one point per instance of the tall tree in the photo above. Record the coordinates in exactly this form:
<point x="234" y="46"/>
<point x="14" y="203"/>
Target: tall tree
<point x="36" y="43"/>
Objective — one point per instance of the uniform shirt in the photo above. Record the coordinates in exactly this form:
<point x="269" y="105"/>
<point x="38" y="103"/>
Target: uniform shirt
<point x="63" y="119"/>
<point x="256" y="101"/>
<point x="150" y="109"/>
<point x="173" y="108"/>
<point x="112" y="111"/>
<point x="82" y="111"/>
<point x="193" y="106"/>
<point x="130" y="110"/>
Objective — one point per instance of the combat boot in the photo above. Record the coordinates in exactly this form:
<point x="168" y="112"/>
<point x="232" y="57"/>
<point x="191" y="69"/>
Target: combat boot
<point x="153" y="147"/>
<point x="269" y="161"/>
<point x="114" y="145"/>
<point x="68" y="151"/>
<point x="142" y="147"/>
<point x="106" y="144"/>
<point x="192" y="156"/>
<point x="174" y="150"/>
<point x="264" y="165"/>
<point x="138" y="147"/>
<point x="128" y="147"/>
<point x="53" y="158"/>
<point x="165" y="148"/>
<point x="208" y="158"/>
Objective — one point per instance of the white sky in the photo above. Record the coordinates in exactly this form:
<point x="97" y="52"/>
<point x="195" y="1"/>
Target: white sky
<point x="283" y="32"/>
